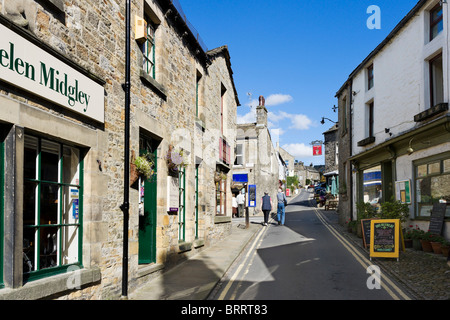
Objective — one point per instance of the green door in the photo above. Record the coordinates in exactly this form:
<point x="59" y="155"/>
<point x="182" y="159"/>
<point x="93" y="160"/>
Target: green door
<point x="147" y="219"/>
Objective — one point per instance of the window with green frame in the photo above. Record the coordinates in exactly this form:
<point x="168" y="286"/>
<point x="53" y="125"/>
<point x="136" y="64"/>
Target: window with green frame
<point x="52" y="207"/>
<point x="148" y="48"/>
<point x="2" y="195"/>
<point x="432" y="182"/>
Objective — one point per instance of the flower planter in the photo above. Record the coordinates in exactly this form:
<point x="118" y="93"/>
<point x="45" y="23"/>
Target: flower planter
<point x="426" y="246"/>
<point x="445" y="251"/>
<point x="408" y="243"/>
<point x="417" y="245"/>
<point x="436" y="247"/>
<point x="134" y="174"/>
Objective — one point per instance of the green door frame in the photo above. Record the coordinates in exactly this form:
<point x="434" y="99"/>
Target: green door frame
<point x="147" y="222"/>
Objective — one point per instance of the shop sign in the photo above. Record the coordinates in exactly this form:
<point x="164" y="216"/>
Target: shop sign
<point x="25" y="65"/>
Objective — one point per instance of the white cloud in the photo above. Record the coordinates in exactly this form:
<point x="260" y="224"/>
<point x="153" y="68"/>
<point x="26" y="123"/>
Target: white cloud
<point x="298" y="150"/>
<point x="300" y="122"/>
<point x="277" y="132"/>
<point x="249" y="117"/>
<point x="277" y="99"/>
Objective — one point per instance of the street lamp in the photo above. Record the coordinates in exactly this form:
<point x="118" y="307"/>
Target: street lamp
<point x="323" y="120"/>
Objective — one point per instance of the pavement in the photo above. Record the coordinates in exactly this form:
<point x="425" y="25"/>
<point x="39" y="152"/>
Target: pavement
<point x="426" y="276"/>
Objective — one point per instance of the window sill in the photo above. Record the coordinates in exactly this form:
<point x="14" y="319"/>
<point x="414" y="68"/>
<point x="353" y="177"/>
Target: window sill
<point x="366" y="141"/>
<point x="431" y="112"/>
<point x="184" y="246"/>
<point x="153" y="84"/>
<point x="222" y="219"/>
<point x="51" y="286"/>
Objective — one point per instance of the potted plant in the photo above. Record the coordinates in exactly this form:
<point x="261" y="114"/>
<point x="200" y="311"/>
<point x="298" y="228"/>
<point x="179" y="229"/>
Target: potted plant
<point x="436" y="243"/>
<point x="394" y="210"/>
<point x="416" y="234"/>
<point x="445" y="248"/>
<point x="408" y="238"/>
<point x="425" y="240"/>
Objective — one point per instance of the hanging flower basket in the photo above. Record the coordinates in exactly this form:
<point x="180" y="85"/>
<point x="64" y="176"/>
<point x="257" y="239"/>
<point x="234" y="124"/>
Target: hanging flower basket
<point x="176" y="160"/>
<point x="144" y="167"/>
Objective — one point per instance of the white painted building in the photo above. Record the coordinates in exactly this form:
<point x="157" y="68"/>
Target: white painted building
<point x="395" y="121"/>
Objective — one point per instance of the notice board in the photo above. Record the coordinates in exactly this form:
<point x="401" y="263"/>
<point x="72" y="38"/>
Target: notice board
<point x="365" y="226"/>
<point x="385" y="238"/>
<point x="437" y="218"/>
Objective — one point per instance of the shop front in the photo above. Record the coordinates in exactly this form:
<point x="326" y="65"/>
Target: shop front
<point x="51" y="115"/>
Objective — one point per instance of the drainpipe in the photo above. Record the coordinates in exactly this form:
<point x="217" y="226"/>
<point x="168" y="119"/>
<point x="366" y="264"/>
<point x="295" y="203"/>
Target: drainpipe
<point x="126" y="191"/>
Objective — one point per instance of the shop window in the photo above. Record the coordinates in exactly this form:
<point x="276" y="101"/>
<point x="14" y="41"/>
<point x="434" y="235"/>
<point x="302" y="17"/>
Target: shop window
<point x="52" y="207"/>
<point x="432" y="181"/>
<point x="372" y="186"/>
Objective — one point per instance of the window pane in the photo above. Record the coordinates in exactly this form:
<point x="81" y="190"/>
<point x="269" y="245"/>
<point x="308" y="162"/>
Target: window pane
<point x="422" y="171"/>
<point x="49" y="247"/>
<point x="49" y="161"/>
<point x="71" y="206"/>
<point x="49" y="204"/>
<point x="29" y="248"/>
<point x="446" y="165"/>
<point x="437" y="82"/>
<point x="433" y="190"/>
<point x="434" y="168"/>
<point x="69" y="241"/>
<point x="71" y="159"/>
<point x="30" y="157"/>
<point x="29" y="203"/>
<point x="372" y="186"/>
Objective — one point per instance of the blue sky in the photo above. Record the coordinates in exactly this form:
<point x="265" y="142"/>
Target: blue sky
<point x="295" y="53"/>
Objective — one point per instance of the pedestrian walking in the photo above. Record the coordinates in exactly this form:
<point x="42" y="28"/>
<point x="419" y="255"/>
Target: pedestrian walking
<point x="234" y="205"/>
<point x="281" y="197"/>
<point x="266" y="207"/>
<point x="241" y="204"/>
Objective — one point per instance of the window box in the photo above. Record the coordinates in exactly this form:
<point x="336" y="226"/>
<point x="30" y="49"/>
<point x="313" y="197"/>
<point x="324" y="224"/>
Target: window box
<point x="441" y="107"/>
<point x="366" y="141"/>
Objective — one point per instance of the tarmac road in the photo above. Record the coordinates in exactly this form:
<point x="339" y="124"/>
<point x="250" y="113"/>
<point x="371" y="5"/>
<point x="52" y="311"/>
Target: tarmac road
<point x="304" y="260"/>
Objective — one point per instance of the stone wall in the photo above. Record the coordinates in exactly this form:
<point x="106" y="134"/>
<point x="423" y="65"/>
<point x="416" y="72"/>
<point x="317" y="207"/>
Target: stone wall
<point x="91" y="34"/>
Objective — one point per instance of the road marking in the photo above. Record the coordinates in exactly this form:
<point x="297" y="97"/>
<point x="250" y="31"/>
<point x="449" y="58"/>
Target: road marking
<point x="236" y="273"/>
<point x="360" y="258"/>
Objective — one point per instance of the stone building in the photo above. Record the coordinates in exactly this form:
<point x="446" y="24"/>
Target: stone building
<point x="394" y="119"/>
<point x="62" y="69"/>
<point x="288" y="159"/>
<point x="331" y="143"/>
<point x="256" y="168"/>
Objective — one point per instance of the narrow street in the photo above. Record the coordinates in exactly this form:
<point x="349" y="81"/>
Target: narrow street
<point x="305" y="259"/>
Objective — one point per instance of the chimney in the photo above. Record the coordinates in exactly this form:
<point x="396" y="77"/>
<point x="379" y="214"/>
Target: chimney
<point x="261" y="112"/>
